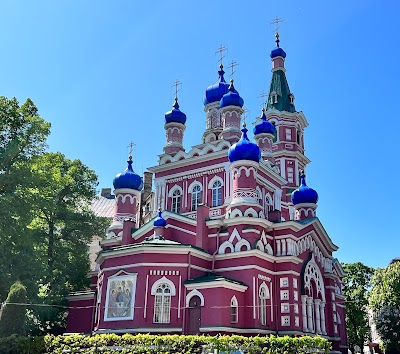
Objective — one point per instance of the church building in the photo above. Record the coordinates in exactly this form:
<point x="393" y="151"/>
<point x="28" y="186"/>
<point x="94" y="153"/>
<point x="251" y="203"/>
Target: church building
<point x="236" y="246"/>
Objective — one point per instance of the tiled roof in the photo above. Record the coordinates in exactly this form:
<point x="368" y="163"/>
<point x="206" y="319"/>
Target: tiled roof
<point x="280" y="86"/>
<point x="103" y="207"/>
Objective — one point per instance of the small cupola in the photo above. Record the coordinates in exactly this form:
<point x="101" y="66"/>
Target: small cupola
<point x="304" y="194"/>
<point x="244" y="149"/>
<point x="128" y="178"/>
<point x="231" y="98"/>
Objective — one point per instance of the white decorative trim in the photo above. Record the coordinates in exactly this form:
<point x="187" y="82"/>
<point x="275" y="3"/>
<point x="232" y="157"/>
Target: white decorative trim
<point x="242" y="242"/>
<point x="173" y="189"/>
<point x="213" y="180"/>
<point x="250" y="212"/>
<point x="226" y="244"/>
<point x="235" y="213"/>
<point x="236" y="330"/>
<point x="194" y="184"/>
<point x="193" y="293"/>
<point x="217" y="284"/>
<point x="160" y="281"/>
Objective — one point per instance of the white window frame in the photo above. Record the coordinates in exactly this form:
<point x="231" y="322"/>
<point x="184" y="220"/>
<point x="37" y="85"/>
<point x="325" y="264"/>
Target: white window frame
<point x="234" y="310"/>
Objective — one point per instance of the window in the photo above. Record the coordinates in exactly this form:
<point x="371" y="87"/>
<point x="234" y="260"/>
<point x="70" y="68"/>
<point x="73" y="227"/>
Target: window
<point x="274" y="140"/>
<point x="234" y="310"/>
<point x="264" y="295"/>
<point x="288" y="134"/>
<point x="176" y="201"/>
<point x="196" y="197"/>
<point x="162" y="304"/>
<point x="216" y="194"/>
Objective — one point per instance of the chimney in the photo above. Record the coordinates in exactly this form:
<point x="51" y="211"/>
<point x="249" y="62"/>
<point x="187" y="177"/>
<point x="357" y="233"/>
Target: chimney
<point x="106" y="193"/>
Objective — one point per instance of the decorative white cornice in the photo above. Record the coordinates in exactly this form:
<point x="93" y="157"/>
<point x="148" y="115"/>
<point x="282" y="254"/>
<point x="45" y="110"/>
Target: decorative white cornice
<point x="245" y="220"/>
<point x="143" y="248"/>
<point x="217" y="284"/>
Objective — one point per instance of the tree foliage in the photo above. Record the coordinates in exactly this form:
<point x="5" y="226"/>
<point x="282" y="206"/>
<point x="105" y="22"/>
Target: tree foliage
<point x="356" y="284"/>
<point x="384" y="300"/>
<point x="45" y="217"/>
<point x="13" y="316"/>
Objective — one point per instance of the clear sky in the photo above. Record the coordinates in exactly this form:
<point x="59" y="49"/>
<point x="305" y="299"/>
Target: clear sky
<point x="102" y="73"/>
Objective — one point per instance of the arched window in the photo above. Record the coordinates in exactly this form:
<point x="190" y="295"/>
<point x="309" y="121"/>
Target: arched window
<point x="196" y="197"/>
<point x="264" y="295"/>
<point x="162" y="304"/>
<point x="234" y="310"/>
<point x="216" y="194"/>
<point x="176" y="201"/>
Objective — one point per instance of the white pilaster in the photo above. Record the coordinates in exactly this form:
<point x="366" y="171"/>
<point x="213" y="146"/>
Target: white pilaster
<point x="317" y="316"/>
<point x="322" y="314"/>
<point x="304" y="312"/>
<point x="310" y="314"/>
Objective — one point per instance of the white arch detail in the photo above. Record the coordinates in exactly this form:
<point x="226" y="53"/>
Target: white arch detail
<point x="235" y="213"/>
<point x="213" y="180"/>
<point x="194" y="292"/>
<point x="250" y="212"/>
<point x="173" y="189"/>
<point x="242" y="242"/>
<point x="194" y="184"/>
<point x="265" y="287"/>
<point x="222" y="248"/>
<point x="160" y="281"/>
<point x="312" y="272"/>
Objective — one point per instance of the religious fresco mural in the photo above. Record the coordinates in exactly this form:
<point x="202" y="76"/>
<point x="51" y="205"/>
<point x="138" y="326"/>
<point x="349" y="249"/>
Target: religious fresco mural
<point x="120" y="298"/>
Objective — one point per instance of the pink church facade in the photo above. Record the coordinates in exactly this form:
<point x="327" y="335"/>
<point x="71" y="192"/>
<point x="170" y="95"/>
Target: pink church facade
<point x="237" y="248"/>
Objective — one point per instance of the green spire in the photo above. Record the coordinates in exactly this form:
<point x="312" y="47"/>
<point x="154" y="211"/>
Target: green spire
<point x="280" y="97"/>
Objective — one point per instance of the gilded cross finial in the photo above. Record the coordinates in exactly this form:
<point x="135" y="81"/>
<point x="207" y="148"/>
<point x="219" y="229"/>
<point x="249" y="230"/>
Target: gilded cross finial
<point x="177" y="83"/>
<point x="232" y="66"/>
<point x="221" y="51"/>
<point x="130" y="146"/>
<point x="263" y="100"/>
<point x="245" y="112"/>
<point x="276" y="22"/>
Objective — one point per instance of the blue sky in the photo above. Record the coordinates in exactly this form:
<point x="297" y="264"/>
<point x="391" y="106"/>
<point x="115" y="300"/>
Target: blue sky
<point x="101" y="72"/>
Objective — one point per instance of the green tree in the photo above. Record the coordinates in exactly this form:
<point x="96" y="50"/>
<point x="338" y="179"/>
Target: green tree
<point x="23" y="136"/>
<point x="356" y="284"/>
<point x="59" y="193"/>
<point x="384" y="300"/>
<point x="13" y="316"/>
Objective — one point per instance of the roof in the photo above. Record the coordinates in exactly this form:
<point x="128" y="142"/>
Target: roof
<point x="103" y="207"/>
<point x="212" y="277"/>
<point x="280" y="86"/>
<point x="306" y="221"/>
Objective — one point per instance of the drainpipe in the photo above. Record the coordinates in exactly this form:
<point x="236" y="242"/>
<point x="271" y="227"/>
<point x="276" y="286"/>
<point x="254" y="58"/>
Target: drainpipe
<point x="216" y="249"/>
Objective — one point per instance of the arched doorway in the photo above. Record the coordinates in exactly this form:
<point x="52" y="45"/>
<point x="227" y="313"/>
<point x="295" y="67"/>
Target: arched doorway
<point x="194" y="315"/>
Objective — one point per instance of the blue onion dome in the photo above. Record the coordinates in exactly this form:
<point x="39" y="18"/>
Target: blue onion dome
<point x="231" y="98"/>
<point x="159" y="221"/>
<point x="304" y="194"/>
<point x="128" y="178"/>
<point x="215" y="92"/>
<point x="175" y="115"/>
<point x="244" y="149"/>
<point x="263" y="126"/>
<point x="277" y="52"/>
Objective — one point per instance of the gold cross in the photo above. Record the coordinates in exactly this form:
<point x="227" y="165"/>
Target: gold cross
<point x="221" y="51"/>
<point x="232" y="66"/>
<point x="262" y="96"/>
<point x="276" y="23"/>
<point x="177" y="83"/>
<point x="130" y="146"/>
<point x="245" y="111"/>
